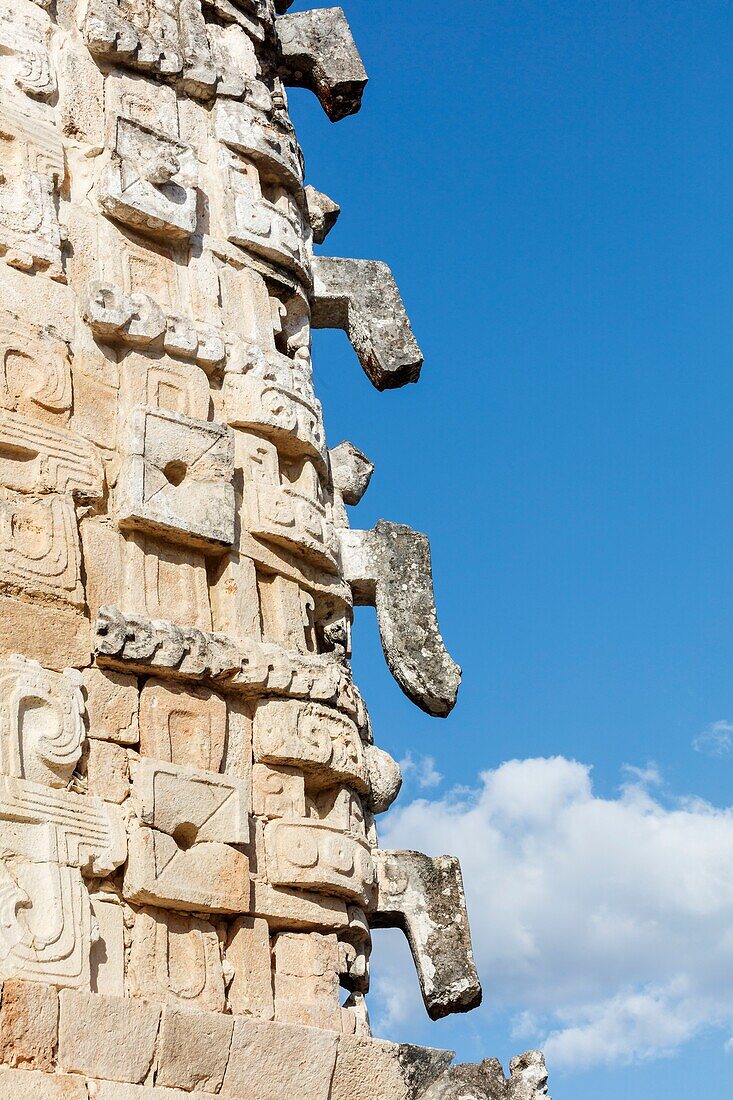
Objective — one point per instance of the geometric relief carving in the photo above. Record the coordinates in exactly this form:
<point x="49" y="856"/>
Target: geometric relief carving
<point x="176" y="479"/>
<point x="48" y="837"/>
<point x="274" y="395"/>
<point x="286" y="510"/>
<point x="249" y="131"/>
<point x="182" y="726"/>
<point x="30" y="237"/>
<point x="36" y="457"/>
<point x="263" y="216"/>
<point x="318" y="739"/>
<point x="41" y="724"/>
<point x="312" y="855"/>
<point x="176" y="959"/>
<point x="35" y="377"/>
<point x="164" y="383"/>
<point x="39" y="546"/>
<point x="191" y="806"/>
<point x="24" y="34"/>
<point x="207" y="878"/>
<point x="150" y="182"/>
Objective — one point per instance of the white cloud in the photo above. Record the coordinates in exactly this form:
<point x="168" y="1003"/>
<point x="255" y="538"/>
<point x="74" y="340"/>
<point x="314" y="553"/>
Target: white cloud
<point x="716" y="740"/>
<point x="422" y="770"/>
<point x="602" y="926"/>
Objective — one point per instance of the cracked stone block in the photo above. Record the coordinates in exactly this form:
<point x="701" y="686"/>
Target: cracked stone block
<point x="245" y="130"/>
<point x="424" y="897"/>
<point x="486" y="1081"/>
<point x="177" y="478"/>
<point x="150" y="183"/>
<point x="323" y="213"/>
<point x="111" y="706"/>
<point x="278" y="791"/>
<point x="248" y="954"/>
<point x="319" y="53"/>
<point x="110" y="1037"/>
<point x="318" y="739"/>
<point x="389" y="568"/>
<point x="36" y="457"/>
<point x="191" y="806"/>
<point x="361" y="297"/>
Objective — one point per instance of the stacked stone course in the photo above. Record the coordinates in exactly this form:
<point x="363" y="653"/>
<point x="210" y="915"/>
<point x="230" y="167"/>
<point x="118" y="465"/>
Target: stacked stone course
<point x="189" y="865"/>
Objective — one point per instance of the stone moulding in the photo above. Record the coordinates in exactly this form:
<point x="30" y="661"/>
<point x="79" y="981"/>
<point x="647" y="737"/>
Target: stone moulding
<point x="424" y="897"/>
<point x="361" y="297"/>
<point x="319" y="53"/>
<point x="390" y="569"/>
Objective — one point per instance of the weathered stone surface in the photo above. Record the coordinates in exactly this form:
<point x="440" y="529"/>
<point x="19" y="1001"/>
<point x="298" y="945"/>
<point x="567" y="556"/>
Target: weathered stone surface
<point x="324" y="743"/>
<point x="271" y="1061"/>
<point x="306" y="980"/>
<point x="312" y="855"/>
<point x="361" y="297"/>
<point x="108" y="771"/>
<point x="111" y="1037"/>
<point x="40" y="1086"/>
<point x="384" y="777"/>
<point x="29" y="1015"/>
<point x="248" y="954"/>
<point x="319" y="52"/>
<point x="351" y="472"/>
<point x="111" y="706"/>
<point x="193" y="1049"/>
<point x="390" y="568"/>
<point x="323" y="213"/>
<point x="486" y="1081"/>
<point x="183" y="726"/>
<point x="424" y="896"/>
<point x="370" y="1069"/>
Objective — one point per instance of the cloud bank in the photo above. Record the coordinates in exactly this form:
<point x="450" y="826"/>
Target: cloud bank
<point x="602" y="926"/>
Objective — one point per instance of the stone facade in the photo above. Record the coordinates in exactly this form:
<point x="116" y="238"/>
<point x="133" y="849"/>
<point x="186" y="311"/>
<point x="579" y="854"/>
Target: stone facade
<point x="189" y="864"/>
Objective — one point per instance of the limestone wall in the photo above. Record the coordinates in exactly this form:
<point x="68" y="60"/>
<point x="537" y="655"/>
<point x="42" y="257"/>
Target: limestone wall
<point x="189" y="865"/>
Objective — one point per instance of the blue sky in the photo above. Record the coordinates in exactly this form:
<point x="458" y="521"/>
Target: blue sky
<point x="551" y="184"/>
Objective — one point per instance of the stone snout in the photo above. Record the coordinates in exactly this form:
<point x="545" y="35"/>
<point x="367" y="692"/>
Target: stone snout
<point x="318" y="52"/>
<point x="390" y="569"/>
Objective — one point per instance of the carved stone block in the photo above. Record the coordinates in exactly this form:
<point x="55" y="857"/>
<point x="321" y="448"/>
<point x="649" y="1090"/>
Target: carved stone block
<point x="263" y="216"/>
<point x="248" y="954"/>
<point x="150" y="183"/>
<point x="273" y="395"/>
<point x="324" y="743"/>
<point x="311" y="855"/>
<point x="163" y="383"/>
<point x="25" y="34"/>
<point x="177" y="478"/>
<point x="36" y="457"/>
<point x="287" y="510"/>
<point x="39" y="547"/>
<point x="247" y="131"/>
<point x="278" y="792"/>
<point x="41" y="725"/>
<point x="35" y="378"/>
<point x="107" y="955"/>
<point x="205" y="878"/>
<point x="183" y="726"/>
<point x="191" y="806"/>
<point x="176" y="959"/>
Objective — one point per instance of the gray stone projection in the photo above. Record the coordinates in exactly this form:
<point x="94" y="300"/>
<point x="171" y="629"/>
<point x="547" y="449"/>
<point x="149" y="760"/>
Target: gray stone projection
<point x="189" y="863"/>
